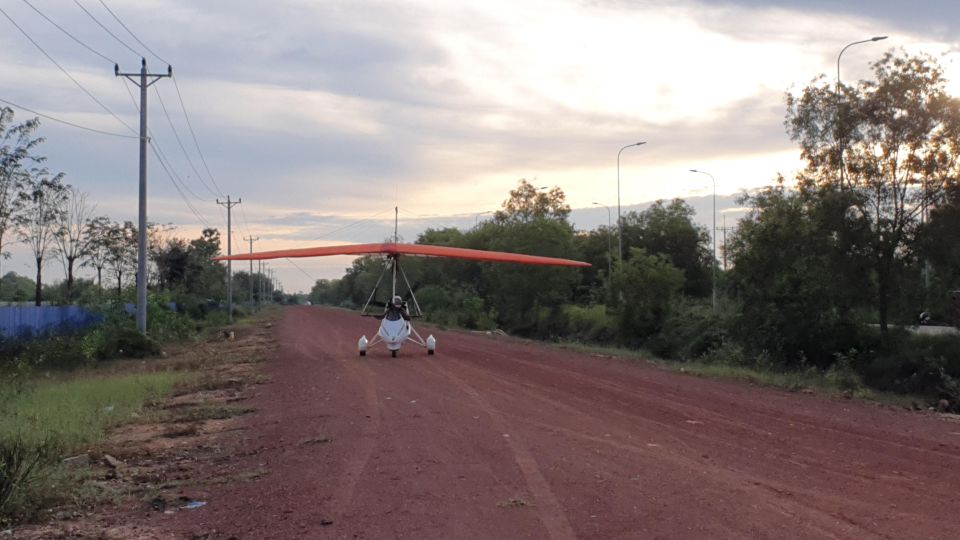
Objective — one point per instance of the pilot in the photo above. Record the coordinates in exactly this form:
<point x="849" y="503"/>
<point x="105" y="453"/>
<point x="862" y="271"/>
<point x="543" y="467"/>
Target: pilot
<point x="398" y="306"/>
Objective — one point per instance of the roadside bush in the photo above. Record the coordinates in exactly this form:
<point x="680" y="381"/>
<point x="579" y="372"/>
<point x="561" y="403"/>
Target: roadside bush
<point x="916" y="364"/>
<point x="591" y="324"/>
<point x="19" y="459"/>
<point x="690" y="329"/>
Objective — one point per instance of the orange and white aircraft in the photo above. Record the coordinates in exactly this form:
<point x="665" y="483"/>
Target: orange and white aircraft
<point x="395" y="326"/>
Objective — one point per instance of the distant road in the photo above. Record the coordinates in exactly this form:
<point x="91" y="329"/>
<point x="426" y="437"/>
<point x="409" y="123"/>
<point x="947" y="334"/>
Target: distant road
<point x="498" y="438"/>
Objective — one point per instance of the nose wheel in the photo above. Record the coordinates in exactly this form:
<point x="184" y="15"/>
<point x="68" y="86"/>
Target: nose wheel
<point x="393" y="354"/>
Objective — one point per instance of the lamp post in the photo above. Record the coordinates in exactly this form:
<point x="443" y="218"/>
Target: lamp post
<point x="839" y="129"/>
<point x="609" y="247"/>
<point x="713" y="234"/>
<point x="619" y="220"/>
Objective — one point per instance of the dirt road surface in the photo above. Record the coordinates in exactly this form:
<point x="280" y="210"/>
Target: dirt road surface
<point x="498" y="438"/>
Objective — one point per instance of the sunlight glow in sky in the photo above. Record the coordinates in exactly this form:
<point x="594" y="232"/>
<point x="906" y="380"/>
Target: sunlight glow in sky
<point x="322" y="113"/>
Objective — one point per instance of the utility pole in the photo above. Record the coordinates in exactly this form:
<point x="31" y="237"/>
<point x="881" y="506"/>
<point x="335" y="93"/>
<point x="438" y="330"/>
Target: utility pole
<point x="140" y="79"/>
<point x="229" y="204"/>
<point x="723" y="248"/>
<point x="251" y="239"/>
<point x="263" y="270"/>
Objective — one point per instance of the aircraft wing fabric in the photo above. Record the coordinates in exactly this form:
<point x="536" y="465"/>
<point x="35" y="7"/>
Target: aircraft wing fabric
<point x="421" y="250"/>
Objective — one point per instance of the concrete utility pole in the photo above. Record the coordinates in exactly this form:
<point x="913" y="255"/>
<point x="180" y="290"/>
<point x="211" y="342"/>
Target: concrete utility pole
<point x="263" y="270"/>
<point x="229" y="204"/>
<point x="723" y="248"/>
<point x="251" y="239"/>
<point x="140" y="79"/>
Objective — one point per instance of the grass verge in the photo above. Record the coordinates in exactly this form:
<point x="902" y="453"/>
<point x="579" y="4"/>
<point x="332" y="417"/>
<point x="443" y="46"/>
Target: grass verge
<point x="43" y="421"/>
<point x="809" y="381"/>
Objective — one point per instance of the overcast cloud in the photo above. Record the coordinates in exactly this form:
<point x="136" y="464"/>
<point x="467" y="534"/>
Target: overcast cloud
<point x="323" y="114"/>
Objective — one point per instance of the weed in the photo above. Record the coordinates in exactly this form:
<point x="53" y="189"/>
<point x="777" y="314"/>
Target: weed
<point x="513" y="502"/>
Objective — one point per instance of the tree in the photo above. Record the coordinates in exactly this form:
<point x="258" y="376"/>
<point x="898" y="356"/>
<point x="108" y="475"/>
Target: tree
<point x="40" y="207"/>
<point x="901" y="147"/>
<point x="798" y="274"/>
<point x="72" y="240"/>
<point x="97" y="255"/>
<point x="669" y="230"/>
<point x="204" y="277"/>
<point x="527" y="203"/>
<point x="122" y="251"/>
<point x="647" y="284"/>
<point x="16" y="144"/>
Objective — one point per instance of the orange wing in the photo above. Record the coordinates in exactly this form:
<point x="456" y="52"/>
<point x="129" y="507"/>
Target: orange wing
<point x="422" y="250"/>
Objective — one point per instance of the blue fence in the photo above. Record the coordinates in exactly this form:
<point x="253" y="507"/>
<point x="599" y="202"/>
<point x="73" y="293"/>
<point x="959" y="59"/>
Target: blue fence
<point x="25" y="320"/>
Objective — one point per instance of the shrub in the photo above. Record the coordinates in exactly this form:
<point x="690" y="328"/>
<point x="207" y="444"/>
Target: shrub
<point x="915" y="364"/>
<point x="18" y="461"/>
<point x="690" y="329"/>
<point x="591" y="324"/>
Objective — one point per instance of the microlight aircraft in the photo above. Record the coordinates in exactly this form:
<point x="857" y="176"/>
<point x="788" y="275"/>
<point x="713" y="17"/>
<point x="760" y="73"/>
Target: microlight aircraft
<point x="394" y="329"/>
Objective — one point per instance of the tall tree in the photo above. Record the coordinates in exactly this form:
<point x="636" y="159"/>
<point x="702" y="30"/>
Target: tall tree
<point x="122" y="251"/>
<point x="38" y="219"/>
<point x="16" y="158"/>
<point x="900" y="137"/>
<point x="527" y="203"/>
<point x="72" y="238"/>
<point x="669" y="230"/>
<point x="97" y="255"/>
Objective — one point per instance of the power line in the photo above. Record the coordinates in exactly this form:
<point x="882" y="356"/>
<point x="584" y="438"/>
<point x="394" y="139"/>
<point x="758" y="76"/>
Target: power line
<point x="107" y="30"/>
<point x="65" y="72"/>
<point x="179" y="142"/>
<point x="302" y="270"/>
<point x="142" y="44"/>
<point x="71" y="124"/>
<point x="186" y="201"/>
<point x="246" y="224"/>
<point x="71" y="36"/>
<point x="194" y="135"/>
<point x="163" y="155"/>
<point x="159" y="151"/>
<point x="347" y="226"/>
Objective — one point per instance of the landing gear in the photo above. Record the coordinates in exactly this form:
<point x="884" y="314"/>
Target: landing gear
<point x="393" y="354"/>
<point x="363" y="353"/>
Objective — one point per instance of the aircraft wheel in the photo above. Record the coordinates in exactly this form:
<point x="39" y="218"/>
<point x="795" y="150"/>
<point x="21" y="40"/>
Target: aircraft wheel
<point x="363" y="353"/>
<point x="393" y="354"/>
<point x="430" y="352"/>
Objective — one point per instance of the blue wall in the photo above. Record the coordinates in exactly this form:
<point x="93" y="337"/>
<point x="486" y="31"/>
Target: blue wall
<point x="19" y="320"/>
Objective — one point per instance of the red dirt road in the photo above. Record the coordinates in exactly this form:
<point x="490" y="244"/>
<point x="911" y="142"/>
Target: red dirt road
<point x="494" y="438"/>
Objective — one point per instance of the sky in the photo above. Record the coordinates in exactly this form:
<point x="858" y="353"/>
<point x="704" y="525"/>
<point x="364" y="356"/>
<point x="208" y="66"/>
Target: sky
<point x="323" y="116"/>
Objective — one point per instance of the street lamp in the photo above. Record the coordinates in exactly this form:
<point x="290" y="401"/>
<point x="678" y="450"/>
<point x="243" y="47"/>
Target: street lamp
<point x="609" y="247"/>
<point x="713" y="266"/>
<point x="619" y="220"/>
<point x="839" y="130"/>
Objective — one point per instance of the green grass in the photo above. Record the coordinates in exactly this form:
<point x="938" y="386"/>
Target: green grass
<point x="795" y="381"/>
<point x="68" y="414"/>
<point x="44" y="420"/>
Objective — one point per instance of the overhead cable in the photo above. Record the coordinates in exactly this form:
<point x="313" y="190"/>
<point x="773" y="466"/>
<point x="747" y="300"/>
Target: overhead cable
<point x="107" y="30"/>
<point x="65" y="72"/>
<point x="142" y="44"/>
<point x="194" y="135"/>
<point x="180" y="143"/>
<point x="68" y="34"/>
<point x="65" y="122"/>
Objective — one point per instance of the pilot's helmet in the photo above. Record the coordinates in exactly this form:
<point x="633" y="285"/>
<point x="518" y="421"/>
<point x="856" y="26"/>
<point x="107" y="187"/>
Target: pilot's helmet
<point x="397" y="301"/>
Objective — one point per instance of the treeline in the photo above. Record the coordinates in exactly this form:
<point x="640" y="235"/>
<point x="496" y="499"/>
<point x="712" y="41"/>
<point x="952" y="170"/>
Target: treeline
<point x="825" y="274"/>
<point x="57" y="221"/>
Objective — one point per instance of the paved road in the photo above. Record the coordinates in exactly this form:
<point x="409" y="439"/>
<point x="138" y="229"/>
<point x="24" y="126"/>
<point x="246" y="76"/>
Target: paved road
<point x="498" y="438"/>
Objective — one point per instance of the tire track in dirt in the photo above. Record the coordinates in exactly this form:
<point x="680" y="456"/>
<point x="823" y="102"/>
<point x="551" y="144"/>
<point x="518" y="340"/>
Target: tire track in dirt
<point x="826" y="523"/>
<point x="551" y="513"/>
<point x="362" y="376"/>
